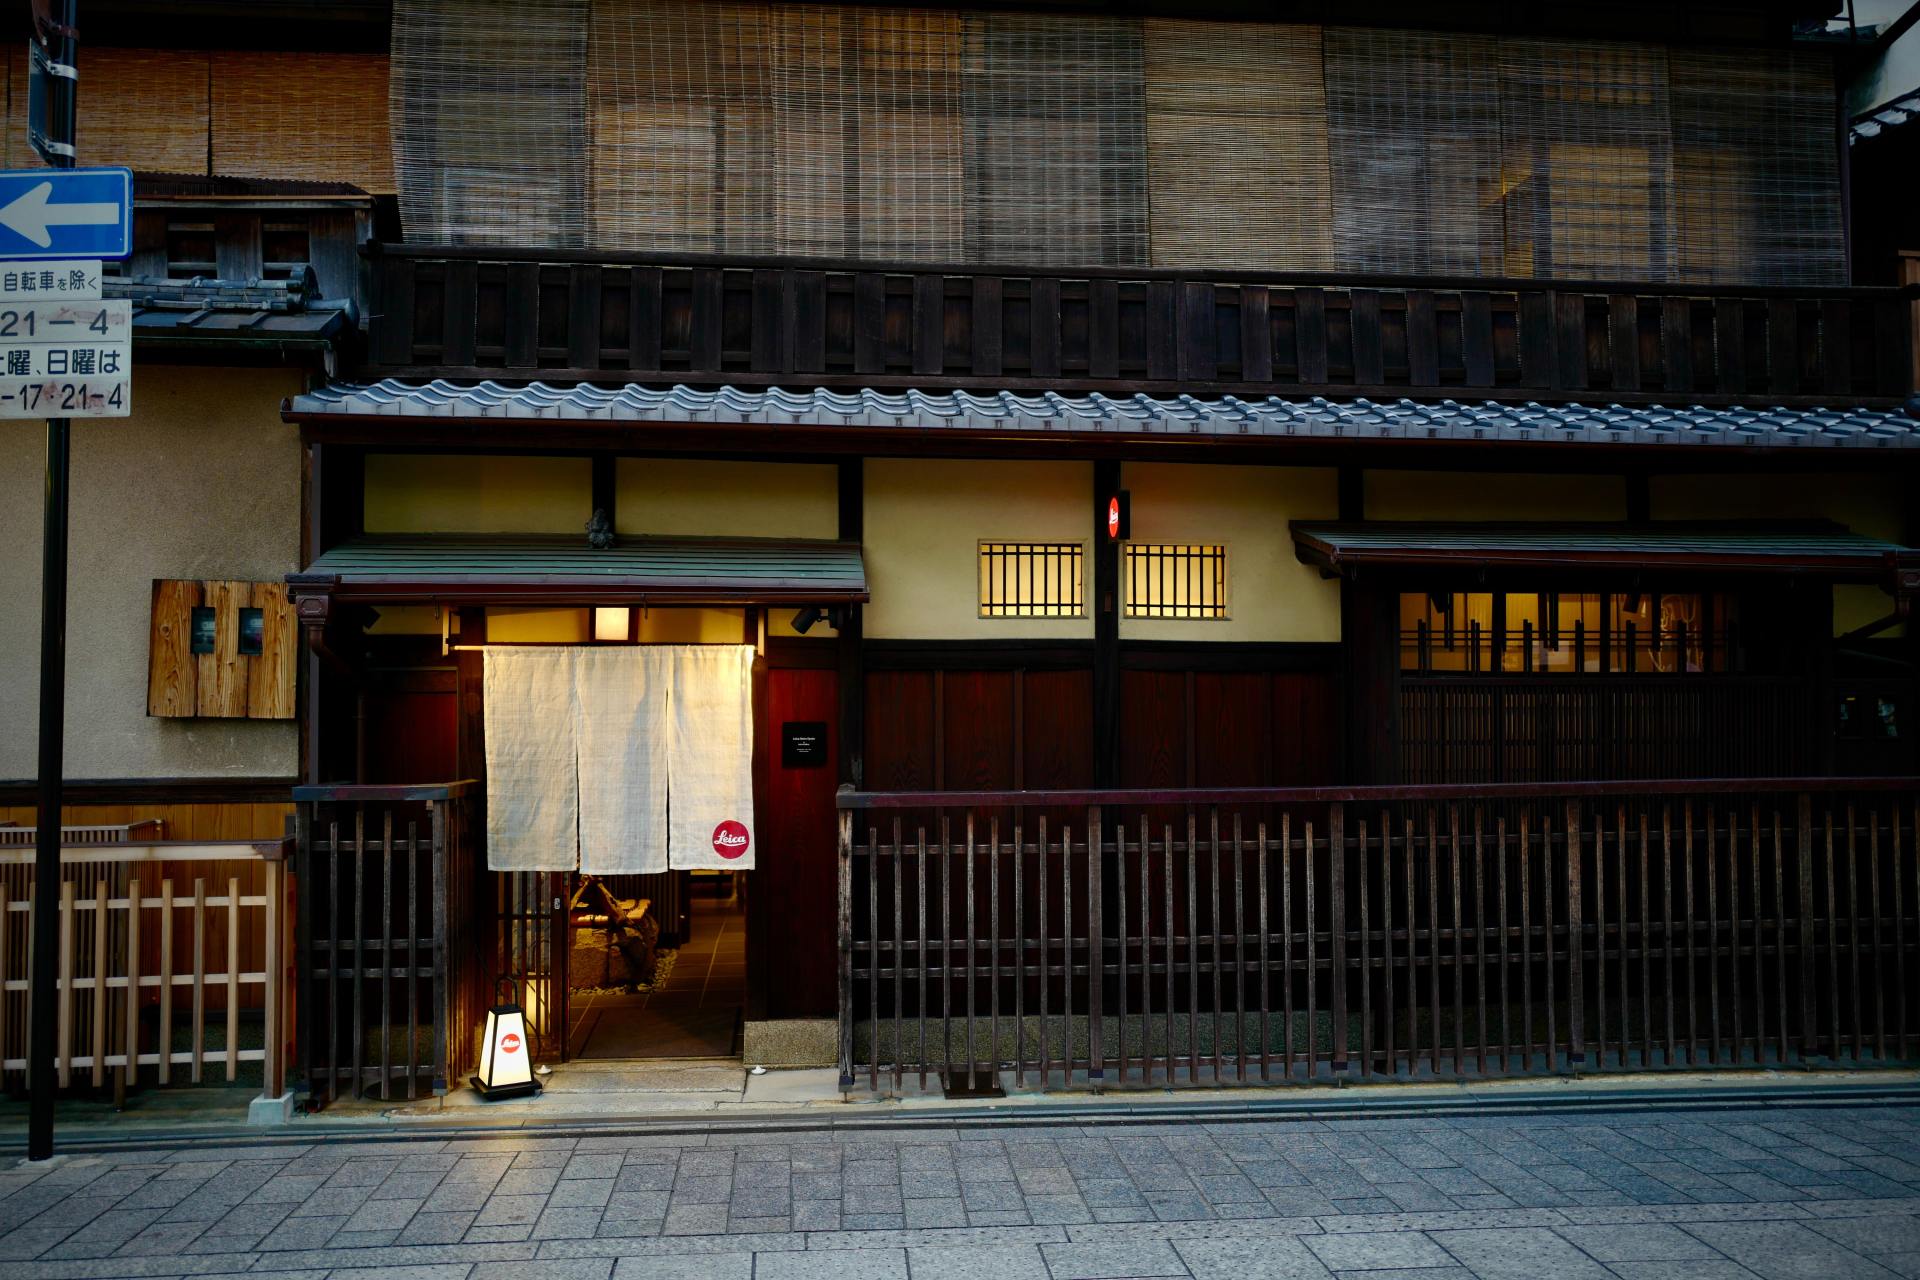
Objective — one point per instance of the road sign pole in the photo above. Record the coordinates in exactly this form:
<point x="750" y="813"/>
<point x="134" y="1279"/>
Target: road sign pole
<point x="53" y="692"/>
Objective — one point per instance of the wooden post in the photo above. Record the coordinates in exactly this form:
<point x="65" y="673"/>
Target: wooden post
<point x="100" y="981"/>
<point x="273" y="1064"/>
<point x="851" y="685"/>
<point x="233" y="978"/>
<point x="845" y="934"/>
<point x="132" y="1076"/>
<point x="63" y="1043"/>
<point x="1576" y="942"/>
<point x="1809" y="1011"/>
<point x="1096" y="954"/>
<point x="437" y="810"/>
<point x="1337" y="932"/>
<point x="1106" y="631"/>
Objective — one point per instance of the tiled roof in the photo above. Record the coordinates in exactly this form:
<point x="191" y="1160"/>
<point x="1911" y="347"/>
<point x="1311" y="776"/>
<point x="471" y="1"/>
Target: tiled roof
<point x="558" y="566"/>
<point x="203" y="309"/>
<point x="1139" y="415"/>
<point x="1785" y="546"/>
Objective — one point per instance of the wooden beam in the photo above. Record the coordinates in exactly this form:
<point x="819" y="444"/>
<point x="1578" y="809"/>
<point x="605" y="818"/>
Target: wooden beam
<point x="851" y="645"/>
<point x="1106" y="630"/>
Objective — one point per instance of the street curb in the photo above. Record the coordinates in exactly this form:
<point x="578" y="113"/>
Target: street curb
<point x="1102" y="1114"/>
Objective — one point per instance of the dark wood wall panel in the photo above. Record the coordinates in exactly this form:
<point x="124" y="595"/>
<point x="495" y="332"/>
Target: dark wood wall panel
<point x="792" y="887"/>
<point x="900" y="737"/>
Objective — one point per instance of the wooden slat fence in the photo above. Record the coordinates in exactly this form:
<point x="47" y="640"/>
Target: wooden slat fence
<point x="153" y="970"/>
<point x="470" y="312"/>
<point x="395" y="939"/>
<point x="1501" y="729"/>
<point x="1300" y="935"/>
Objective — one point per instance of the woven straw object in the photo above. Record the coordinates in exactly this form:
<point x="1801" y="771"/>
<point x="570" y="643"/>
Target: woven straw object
<point x="317" y="116"/>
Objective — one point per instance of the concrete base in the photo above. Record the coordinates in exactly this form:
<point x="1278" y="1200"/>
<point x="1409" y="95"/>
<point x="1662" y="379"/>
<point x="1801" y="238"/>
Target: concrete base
<point x="791" y="1042"/>
<point x="271" y="1111"/>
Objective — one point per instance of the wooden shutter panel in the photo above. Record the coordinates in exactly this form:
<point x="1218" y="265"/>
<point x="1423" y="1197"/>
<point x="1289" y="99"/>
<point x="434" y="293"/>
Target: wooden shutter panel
<point x="172" y="671"/>
<point x="270" y="675"/>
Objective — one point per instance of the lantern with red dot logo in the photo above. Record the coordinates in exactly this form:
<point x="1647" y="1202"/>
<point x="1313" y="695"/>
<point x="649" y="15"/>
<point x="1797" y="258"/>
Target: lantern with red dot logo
<point x="506" y="1059"/>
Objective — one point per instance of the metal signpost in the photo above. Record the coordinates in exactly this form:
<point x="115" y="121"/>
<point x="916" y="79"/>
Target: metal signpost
<point x="68" y="353"/>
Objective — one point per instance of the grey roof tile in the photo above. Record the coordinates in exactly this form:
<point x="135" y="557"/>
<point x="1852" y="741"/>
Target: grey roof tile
<point x="1140" y="415"/>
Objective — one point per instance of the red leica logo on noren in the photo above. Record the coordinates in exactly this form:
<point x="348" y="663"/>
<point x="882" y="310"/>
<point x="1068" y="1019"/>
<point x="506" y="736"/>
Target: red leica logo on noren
<point x="730" y="839"/>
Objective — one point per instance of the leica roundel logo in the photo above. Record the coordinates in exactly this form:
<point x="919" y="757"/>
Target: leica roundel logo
<point x="510" y="1043"/>
<point x="730" y="839"/>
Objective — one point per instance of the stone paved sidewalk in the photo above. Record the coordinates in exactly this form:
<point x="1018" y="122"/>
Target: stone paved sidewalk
<point x="1780" y="1193"/>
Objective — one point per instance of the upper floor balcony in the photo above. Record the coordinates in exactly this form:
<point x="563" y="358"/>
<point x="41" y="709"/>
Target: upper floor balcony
<point x="556" y="316"/>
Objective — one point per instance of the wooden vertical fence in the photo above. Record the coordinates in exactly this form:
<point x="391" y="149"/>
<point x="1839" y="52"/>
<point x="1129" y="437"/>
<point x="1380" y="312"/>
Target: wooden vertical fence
<point x="394" y="939"/>
<point x="1254" y="935"/>
<point x="160" y="977"/>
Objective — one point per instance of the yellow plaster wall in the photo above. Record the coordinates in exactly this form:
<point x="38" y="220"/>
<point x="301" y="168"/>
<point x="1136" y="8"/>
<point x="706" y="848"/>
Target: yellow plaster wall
<point x="575" y="626"/>
<point x="201" y="481"/>
<point x="539" y="626"/>
<point x="693" y="626"/>
<point x="697" y="497"/>
<point x="1451" y="495"/>
<point x="435" y="493"/>
<point x="925" y="520"/>
<point x="1866" y="502"/>
<point x="1271" y="596"/>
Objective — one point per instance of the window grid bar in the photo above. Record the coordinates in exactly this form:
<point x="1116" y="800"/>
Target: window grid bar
<point x="1031" y="580"/>
<point x="1176" y="580"/>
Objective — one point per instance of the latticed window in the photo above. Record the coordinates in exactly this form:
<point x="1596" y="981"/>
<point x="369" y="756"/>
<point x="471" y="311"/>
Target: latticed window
<point x="1176" y="580"/>
<point x="1566" y="633"/>
<point x="1031" y="580"/>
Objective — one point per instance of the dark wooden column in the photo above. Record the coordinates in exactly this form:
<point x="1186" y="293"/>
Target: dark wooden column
<point x="1106" y="630"/>
<point x="333" y="509"/>
<point x="470" y="729"/>
<point x="852" y="682"/>
<point x="1357" y="693"/>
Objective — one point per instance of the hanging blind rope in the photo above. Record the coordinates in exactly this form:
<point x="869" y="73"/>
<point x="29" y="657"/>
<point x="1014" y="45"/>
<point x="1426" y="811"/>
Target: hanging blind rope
<point x="902" y="135"/>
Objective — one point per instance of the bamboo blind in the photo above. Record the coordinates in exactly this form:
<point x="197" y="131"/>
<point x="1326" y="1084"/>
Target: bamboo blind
<point x="1755" y="167"/>
<point x="314" y="116"/>
<point x="1055" y="141"/>
<point x="1237" y="161"/>
<point x="143" y="108"/>
<point x="1413" y="130"/>
<point x="991" y="137"/>
<point x="1587" y="160"/>
<point x="489" y="136"/>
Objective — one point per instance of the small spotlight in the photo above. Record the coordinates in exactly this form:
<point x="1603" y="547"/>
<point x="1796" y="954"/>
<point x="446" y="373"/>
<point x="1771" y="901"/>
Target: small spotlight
<point x="803" y="621"/>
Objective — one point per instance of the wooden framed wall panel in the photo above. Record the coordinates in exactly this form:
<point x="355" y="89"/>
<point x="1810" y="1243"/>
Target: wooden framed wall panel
<point x="224" y="683"/>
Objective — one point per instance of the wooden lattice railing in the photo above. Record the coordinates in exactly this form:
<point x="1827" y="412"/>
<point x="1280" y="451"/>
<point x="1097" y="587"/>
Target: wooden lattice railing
<point x="1216" y="937"/>
<point x="463" y="312"/>
<point x="172" y="961"/>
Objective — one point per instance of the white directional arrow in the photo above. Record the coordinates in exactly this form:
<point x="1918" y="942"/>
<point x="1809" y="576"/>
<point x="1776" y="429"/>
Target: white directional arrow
<point x="30" y="215"/>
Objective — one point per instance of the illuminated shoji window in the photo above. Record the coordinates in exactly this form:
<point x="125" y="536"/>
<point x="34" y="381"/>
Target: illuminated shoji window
<point x="1032" y="580"/>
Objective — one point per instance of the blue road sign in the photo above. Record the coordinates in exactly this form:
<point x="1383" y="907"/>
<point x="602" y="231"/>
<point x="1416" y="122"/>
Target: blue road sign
<point x="66" y="213"/>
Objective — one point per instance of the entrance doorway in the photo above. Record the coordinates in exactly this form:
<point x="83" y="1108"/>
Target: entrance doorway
<point x="694" y="1006"/>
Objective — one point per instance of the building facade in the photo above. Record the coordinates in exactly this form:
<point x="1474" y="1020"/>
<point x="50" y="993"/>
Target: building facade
<point x="1160" y="461"/>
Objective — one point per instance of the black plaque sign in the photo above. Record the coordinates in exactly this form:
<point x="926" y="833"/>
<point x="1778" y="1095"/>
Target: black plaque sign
<point x="205" y="628"/>
<point x="803" y="744"/>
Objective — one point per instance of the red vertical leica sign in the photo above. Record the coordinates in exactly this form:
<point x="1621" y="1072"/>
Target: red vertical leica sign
<point x="1116" y="519"/>
<point x="1113" y="516"/>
